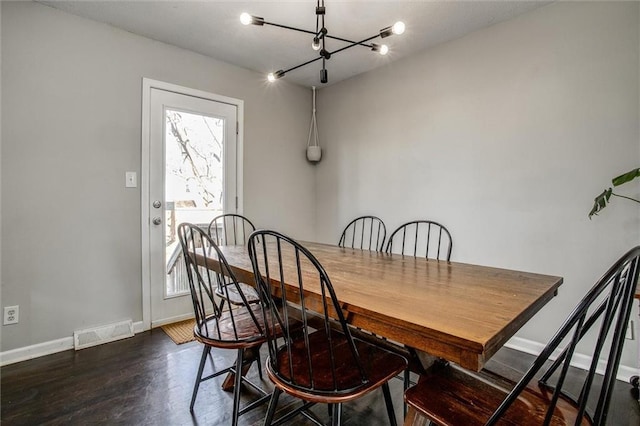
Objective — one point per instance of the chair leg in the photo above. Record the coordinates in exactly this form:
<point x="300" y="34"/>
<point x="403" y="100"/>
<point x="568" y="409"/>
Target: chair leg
<point x="236" y="387"/>
<point x="272" y="407"/>
<point x="389" y="403"/>
<point x="336" y="415"/>
<point x="205" y="352"/>
<point x="259" y="365"/>
<point x="407" y="383"/>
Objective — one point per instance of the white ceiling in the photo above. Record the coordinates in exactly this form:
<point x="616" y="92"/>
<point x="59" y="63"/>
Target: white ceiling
<point x="213" y="28"/>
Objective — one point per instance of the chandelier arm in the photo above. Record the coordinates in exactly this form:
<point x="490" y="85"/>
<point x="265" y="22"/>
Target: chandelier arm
<point x="324" y="39"/>
<point x="326" y="35"/>
<point x="289" y="28"/>
<point x="356" y="43"/>
<point x="362" y="43"/>
<point x="317" y="32"/>
<point x="322" y="16"/>
<point x="303" y="64"/>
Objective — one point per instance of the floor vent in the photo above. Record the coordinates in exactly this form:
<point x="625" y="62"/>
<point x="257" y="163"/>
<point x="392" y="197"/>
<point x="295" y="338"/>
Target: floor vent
<point x="103" y="334"/>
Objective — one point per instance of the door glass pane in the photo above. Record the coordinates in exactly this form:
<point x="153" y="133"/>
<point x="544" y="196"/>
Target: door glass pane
<point x="193" y="182"/>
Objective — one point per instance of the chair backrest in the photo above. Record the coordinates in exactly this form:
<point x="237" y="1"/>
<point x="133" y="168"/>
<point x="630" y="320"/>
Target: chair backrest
<point x="421" y="238"/>
<point x="286" y="268"/>
<point x="230" y="229"/>
<point x="605" y="309"/>
<point x="365" y="233"/>
<point x="204" y="261"/>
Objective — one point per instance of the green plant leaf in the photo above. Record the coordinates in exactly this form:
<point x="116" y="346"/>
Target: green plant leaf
<point x="627" y="177"/>
<point x="600" y="202"/>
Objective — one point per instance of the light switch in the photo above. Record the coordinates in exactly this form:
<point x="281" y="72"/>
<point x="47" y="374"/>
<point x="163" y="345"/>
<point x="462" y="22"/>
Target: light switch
<point x="130" y="180"/>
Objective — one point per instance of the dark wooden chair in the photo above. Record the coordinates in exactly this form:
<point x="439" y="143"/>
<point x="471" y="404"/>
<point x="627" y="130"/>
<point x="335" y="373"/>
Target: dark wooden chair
<point x="322" y="362"/>
<point x="421" y="238"/>
<point x="232" y="229"/>
<point x="364" y="233"/>
<point x="452" y="396"/>
<point x="240" y="328"/>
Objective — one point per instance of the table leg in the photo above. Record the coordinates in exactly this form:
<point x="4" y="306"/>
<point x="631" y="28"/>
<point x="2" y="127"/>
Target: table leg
<point x="427" y="361"/>
<point x="424" y="362"/>
<point x="250" y="355"/>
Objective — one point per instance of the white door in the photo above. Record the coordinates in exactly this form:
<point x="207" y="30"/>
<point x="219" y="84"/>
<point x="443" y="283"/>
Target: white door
<point x="192" y="177"/>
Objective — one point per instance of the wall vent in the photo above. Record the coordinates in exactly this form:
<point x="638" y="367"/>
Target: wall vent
<point x="102" y="334"/>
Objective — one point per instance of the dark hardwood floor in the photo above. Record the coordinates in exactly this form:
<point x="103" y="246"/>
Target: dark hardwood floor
<point x="147" y="380"/>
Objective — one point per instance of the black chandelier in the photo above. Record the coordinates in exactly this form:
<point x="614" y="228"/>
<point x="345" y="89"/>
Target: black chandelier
<point x="319" y="39"/>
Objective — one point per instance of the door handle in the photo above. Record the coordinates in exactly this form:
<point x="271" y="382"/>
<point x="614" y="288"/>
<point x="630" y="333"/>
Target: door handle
<point x="157" y="204"/>
<point x="156" y="221"/>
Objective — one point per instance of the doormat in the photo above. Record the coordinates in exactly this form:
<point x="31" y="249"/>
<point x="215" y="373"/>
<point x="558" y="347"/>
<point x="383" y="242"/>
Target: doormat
<point x="180" y="332"/>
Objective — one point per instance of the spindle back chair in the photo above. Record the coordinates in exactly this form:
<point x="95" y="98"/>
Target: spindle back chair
<point x="232" y="229"/>
<point x="236" y="327"/>
<point x="421" y="238"/>
<point x="364" y="233"/>
<point x="321" y="362"/>
<point x="543" y="395"/>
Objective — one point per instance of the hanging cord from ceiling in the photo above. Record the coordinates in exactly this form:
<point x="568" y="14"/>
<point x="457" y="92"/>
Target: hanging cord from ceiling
<point x="314" y="152"/>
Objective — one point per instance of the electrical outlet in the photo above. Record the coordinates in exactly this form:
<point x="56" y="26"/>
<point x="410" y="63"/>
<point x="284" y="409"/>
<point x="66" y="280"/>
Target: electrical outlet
<point x="11" y="315"/>
<point x="629" y="335"/>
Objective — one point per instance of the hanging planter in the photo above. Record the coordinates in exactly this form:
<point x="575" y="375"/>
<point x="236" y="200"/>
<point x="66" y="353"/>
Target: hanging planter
<point x="314" y="152"/>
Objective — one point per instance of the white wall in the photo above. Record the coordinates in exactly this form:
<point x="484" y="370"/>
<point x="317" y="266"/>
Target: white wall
<point x="505" y="136"/>
<point x="71" y="109"/>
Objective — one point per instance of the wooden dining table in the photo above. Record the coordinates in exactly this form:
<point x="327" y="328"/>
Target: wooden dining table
<point x="460" y="312"/>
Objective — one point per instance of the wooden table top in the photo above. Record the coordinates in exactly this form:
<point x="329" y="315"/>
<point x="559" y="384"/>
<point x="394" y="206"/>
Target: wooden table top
<point x="460" y="312"/>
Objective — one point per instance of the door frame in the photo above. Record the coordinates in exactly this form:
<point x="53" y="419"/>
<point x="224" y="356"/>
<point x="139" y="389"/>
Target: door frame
<point x="145" y="219"/>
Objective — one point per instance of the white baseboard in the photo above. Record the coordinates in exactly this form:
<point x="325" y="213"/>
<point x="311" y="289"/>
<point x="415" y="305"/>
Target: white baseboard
<point x="579" y="360"/>
<point x="35" y="351"/>
<point x="138" y="327"/>
<point x="177" y="318"/>
<point x="46" y="348"/>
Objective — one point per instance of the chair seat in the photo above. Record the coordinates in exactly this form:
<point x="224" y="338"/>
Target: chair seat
<point x="250" y="294"/>
<point x="220" y="332"/>
<point x="380" y="365"/>
<point x="451" y="396"/>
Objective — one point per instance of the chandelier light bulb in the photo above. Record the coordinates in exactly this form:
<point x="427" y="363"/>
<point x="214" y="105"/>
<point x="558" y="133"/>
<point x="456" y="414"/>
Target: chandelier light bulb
<point x="315" y="45"/>
<point x="273" y="76"/>
<point x="398" y="28"/>
<point x="382" y="49"/>
<point x="245" y="18"/>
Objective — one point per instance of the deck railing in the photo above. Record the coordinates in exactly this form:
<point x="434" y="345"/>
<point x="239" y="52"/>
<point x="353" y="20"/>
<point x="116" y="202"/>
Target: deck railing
<point x="177" y="282"/>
